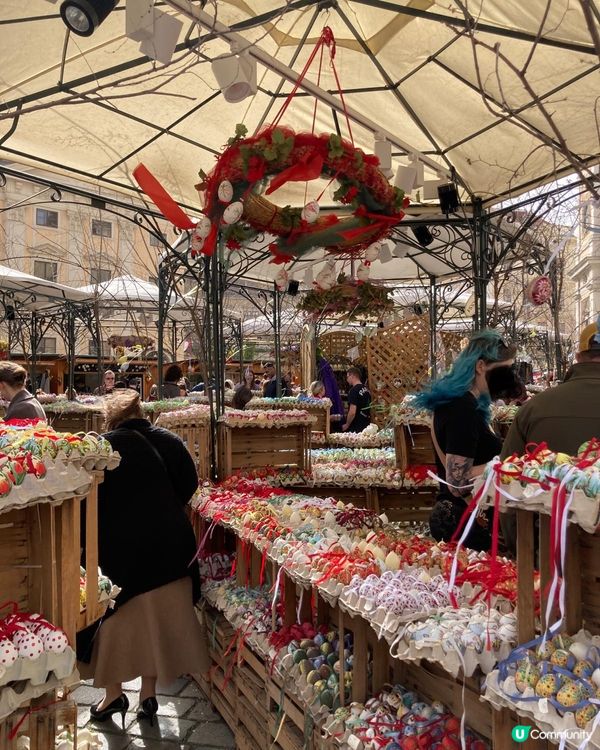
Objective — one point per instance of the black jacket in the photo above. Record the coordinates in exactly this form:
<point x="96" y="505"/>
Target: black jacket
<point x="145" y="539"/>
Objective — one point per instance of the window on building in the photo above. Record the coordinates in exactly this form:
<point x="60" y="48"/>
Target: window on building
<point x="93" y="349"/>
<point x="154" y="241"/>
<point x="46" y="218"/>
<point x="45" y="269"/>
<point x="99" y="275"/>
<point x="47" y="345"/>
<point x="101" y="228"/>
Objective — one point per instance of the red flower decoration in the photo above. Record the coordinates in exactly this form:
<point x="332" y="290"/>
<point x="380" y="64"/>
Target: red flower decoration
<point x="350" y="195"/>
<point x="233" y="244"/>
<point x="278" y="258"/>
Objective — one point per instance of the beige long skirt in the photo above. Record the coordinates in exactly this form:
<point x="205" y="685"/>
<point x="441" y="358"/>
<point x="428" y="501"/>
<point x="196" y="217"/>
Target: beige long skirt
<point x="156" y="634"/>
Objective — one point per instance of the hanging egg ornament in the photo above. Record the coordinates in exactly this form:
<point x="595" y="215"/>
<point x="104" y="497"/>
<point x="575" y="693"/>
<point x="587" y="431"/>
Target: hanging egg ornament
<point x="362" y="272"/>
<point x="310" y="212"/>
<point x="324" y="279"/>
<point x="372" y="252"/>
<point x="202" y="228"/>
<point x="225" y="191"/>
<point x="233" y="212"/>
<point x="539" y="291"/>
<point x="281" y="279"/>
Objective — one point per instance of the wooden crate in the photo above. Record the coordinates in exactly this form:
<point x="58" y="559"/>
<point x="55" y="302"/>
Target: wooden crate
<point x="196" y="438"/>
<point x="413" y="446"/>
<point x="76" y="422"/>
<point x="322" y="414"/>
<point x="30" y="562"/>
<point x="94" y="609"/>
<point x="41" y="723"/>
<point x="243" y="448"/>
<point x="404" y="505"/>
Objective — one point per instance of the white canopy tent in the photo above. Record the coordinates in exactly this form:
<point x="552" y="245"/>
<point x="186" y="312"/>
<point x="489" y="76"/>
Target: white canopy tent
<point x="499" y="93"/>
<point x="39" y="295"/>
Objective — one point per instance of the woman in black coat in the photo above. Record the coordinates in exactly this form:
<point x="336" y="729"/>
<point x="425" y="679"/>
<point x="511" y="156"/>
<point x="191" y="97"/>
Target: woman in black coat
<point x="145" y="546"/>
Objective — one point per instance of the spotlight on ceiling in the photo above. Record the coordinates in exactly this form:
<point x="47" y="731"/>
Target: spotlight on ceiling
<point x="406" y="174"/>
<point x="235" y="74"/>
<point x="448" y="196"/>
<point x="423" y="235"/>
<point x="83" y="17"/>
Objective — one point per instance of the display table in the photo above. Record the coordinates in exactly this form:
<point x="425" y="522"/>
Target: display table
<point x="192" y="424"/>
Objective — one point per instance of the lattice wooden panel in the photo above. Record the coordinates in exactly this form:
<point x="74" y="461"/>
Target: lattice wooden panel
<point x="335" y="344"/>
<point x="398" y="363"/>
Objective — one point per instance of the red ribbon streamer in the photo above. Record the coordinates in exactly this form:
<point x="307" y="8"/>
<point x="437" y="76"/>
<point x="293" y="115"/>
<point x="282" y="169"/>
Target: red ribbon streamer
<point x="161" y="199"/>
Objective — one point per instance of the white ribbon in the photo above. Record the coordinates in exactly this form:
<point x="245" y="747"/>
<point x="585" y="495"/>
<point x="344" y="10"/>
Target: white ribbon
<point x="469" y="526"/>
<point x="557" y="248"/>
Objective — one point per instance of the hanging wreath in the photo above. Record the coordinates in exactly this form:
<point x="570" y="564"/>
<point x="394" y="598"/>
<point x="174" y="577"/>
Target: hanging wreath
<point x="234" y="205"/>
<point x="353" y="299"/>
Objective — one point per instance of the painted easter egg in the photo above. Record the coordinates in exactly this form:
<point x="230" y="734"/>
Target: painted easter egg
<point x="583" y="668"/>
<point x="570" y="694"/>
<point x="562" y="658"/>
<point x="539" y="290"/>
<point x="233" y="212"/>
<point x="310" y="212"/>
<point x="527" y="676"/>
<point x="548" y="685"/>
<point x="585" y="714"/>
<point x="225" y="191"/>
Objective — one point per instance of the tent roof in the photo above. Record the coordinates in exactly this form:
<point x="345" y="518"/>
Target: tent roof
<point x="33" y="293"/>
<point x="127" y="290"/>
<point x="411" y="69"/>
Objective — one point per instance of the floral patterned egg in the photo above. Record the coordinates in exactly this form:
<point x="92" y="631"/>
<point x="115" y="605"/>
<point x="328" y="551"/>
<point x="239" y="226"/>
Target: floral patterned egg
<point x="29" y="645"/>
<point x="527" y="676"/>
<point x="570" y="694"/>
<point x="562" y="658"/>
<point x="310" y="212"/>
<point x="585" y="714"/>
<point x="8" y="653"/>
<point x="548" y="685"/>
<point x="583" y="668"/>
<point x="545" y="650"/>
<point x="562" y="641"/>
<point x="202" y="228"/>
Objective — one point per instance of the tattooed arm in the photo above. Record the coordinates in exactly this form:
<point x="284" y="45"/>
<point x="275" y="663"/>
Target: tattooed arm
<point x="459" y="472"/>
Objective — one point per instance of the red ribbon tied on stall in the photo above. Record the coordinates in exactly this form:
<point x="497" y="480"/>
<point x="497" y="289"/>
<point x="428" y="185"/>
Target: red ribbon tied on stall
<point x="161" y="199"/>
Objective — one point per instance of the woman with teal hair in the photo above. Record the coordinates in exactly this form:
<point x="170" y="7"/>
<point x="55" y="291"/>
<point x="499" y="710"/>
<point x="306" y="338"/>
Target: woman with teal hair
<point x="461" y="431"/>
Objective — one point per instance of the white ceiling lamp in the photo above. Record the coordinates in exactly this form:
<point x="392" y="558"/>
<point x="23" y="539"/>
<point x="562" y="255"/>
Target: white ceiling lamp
<point x="400" y="250"/>
<point x="156" y="31"/>
<point x="406" y="175"/>
<point x="414" y="161"/>
<point x="430" y="189"/>
<point x="385" y="253"/>
<point x="383" y="151"/>
<point x="235" y="74"/>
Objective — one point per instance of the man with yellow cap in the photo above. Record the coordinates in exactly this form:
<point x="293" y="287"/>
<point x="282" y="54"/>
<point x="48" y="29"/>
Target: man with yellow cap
<point x="568" y="415"/>
<point x="564" y="417"/>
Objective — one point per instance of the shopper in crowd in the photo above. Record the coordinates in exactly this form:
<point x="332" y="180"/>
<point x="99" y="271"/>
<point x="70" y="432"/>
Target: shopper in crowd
<point x="567" y="415"/>
<point x="564" y="417"/>
<point x="359" y="403"/>
<point x="317" y="389"/>
<point x="120" y="385"/>
<point x="229" y="385"/>
<point x="171" y="387"/>
<point x="23" y="405"/>
<point x="145" y="546"/>
<point x="241" y="397"/>
<point x="461" y="432"/>
<point x="108" y="384"/>
<point x="270" y="386"/>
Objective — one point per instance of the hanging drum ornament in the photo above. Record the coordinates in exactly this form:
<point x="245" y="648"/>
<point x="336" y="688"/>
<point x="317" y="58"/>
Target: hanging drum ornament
<point x="372" y="252"/>
<point x="539" y="291"/>
<point x="251" y="168"/>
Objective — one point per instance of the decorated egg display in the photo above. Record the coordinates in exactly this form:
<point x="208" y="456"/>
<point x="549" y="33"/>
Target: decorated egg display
<point x="539" y="291"/>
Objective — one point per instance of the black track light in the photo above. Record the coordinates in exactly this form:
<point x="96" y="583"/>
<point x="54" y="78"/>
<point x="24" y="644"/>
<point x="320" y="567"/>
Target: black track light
<point x="83" y="17"/>
<point x="423" y="235"/>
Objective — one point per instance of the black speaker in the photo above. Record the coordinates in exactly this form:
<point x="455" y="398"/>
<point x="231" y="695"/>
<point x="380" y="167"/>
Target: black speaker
<point x="293" y="287"/>
<point x="448" y="196"/>
<point x="423" y="235"/>
<point x="10" y="312"/>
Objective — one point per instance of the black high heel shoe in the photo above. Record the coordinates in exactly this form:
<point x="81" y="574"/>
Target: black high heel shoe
<point x="118" y="706"/>
<point x="148" y="709"/>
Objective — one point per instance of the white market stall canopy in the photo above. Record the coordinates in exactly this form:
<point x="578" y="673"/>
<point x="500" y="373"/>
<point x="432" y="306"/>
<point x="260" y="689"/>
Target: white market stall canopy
<point x="503" y="97"/>
<point x="124" y="291"/>
<point x="35" y="294"/>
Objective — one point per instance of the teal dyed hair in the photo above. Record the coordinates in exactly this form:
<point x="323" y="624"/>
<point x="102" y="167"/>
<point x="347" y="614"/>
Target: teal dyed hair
<point x="486" y="345"/>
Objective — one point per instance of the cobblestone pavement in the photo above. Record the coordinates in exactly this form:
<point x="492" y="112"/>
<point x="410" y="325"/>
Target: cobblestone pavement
<point x="186" y="720"/>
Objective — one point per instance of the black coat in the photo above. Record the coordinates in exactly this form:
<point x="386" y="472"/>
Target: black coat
<point x="145" y="539"/>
